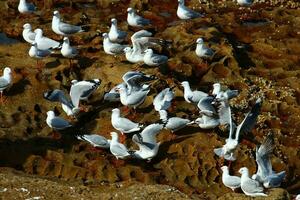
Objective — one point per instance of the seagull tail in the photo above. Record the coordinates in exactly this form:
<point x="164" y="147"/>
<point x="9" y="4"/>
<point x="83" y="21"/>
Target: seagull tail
<point x="190" y="123"/>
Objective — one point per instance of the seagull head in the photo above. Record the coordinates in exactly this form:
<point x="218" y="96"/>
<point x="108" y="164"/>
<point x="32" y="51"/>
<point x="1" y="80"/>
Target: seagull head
<point x="184" y="83"/>
<point x="243" y="170"/>
<point x="56" y="13"/>
<point x="114" y="135"/>
<point x="7" y="71"/>
<point x="50" y="113"/>
<point x="105" y="35"/>
<point x="130" y="10"/>
<point x="115" y="110"/>
<point x="199" y="41"/>
<point x="163" y="115"/>
<point x="38" y="31"/>
<point x="66" y="39"/>
<point x="224" y="168"/>
<point x="127" y="49"/>
<point x="74" y="82"/>
<point x="114" y="20"/>
<point x="27" y="26"/>
<point x="148" y="51"/>
<point x="217" y="88"/>
<point x="181" y="1"/>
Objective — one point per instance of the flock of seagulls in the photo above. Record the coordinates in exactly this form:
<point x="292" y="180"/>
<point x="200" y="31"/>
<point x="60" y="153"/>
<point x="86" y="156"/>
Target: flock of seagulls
<point x="214" y="108"/>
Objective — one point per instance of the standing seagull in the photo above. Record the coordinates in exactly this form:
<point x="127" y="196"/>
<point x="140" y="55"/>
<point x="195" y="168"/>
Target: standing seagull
<point x="62" y="28"/>
<point x="249" y="186"/>
<point x="173" y="123"/>
<point x="28" y="34"/>
<point x="118" y="149"/>
<point x="135" y="20"/>
<point x="135" y="98"/>
<point x="34" y="52"/>
<point x="115" y="35"/>
<point x="185" y="13"/>
<point x="162" y="101"/>
<point x="55" y="122"/>
<point x="26" y="8"/>
<point x="110" y="47"/>
<point x="5" y="81"/>
<point x="44" y="43"/>
<point x="192" y="96"/>
<point x="152" y="59"/>
<point x="203" y="51"/>
<point x="229" y="181"/>
<point x="265" y="174"/>
<point x="123" y="124"/>
<point x="67" y="50"/>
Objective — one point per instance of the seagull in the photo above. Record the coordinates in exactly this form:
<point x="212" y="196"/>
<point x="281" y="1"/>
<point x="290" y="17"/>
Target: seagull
<point x="249" y="186"/>
<point x="135" y="20"/>
<point x="44" y="43"/>
<point x="68" y="51"/>
<point x="162" y="101"/>
<point x="133" y="57"/>
<point x="113" y="95"/>
<point x="146" y="141"/>
<point x="110" y="47"/>
<point x="5" y="81"/>
<point x="229" y="181"/>
<point x="265" y="174"/>
<point x="118" y="149"/>
<point x="26" y="8"/>
<point x="55" y="122"/>
<point x="206" y="122"/>
<point x="95" y="140"/>
<point x="114" y="34"/>
<point x="62" y="28"/>
<point x="221" y="95"/>
<point x="245" y="126"/>
<point x="185" y="13"/>
<point x="28" y="34"/>
<point x="206" y="107"/>
<point x="59" y="96"/>
<point x="135" y="80"/>
<point x="152" y="59"/>
<point x="135" y="98"/>
<point x="245" y="3"/>
<point x="123" y="124"/>
<point x="192" y="96"/>
<point x="81" y="90"/>
<point x="34" y="52"/>
<point x="173" y="123"/>
<point x="203" y="51"/>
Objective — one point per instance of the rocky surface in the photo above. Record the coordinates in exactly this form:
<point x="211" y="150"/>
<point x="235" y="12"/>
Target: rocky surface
<point x="258" y="53"/>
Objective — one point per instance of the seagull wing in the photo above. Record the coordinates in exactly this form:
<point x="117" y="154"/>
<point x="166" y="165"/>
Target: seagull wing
<point x="68" y="28"/>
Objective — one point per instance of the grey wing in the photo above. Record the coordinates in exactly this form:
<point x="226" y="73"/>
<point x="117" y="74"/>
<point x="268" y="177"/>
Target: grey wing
<point x="117" y="48"/>
<point x="231" y="93"/>
<point x="205" y="104"/>
<point x="31" y="6"/>
<point x="219" y="152"/>
<point x="59" y="123"/>
<point x="159" y="59"/>
<point x="48" y="43"/>
<point x="68" y="28"/>
<point x="263" y="156"/>
<point x="249" y="122"/>
<point x="192" y="14"/>
<point x="141" y="33"/>
<point x="169" y="95"/>
<point x="31" y="36"/>
<point x="80" y="91"/>
<point x="225" y="117"/>
<point x="119" y="149"/>
<point x="252" y="186"/>
<point x="142" y="21"/>
<point x="150" y="132"/>
<point x="43" y="53"/>
<point x="122" y="34"/>
<point x="3" y="83"/>
<point x="126" y="123"/>
<point x="96" y="140"/>
<point x="74" y="51"/>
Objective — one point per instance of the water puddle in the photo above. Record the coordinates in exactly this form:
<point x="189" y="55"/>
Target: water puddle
<point x="4" y="40"/>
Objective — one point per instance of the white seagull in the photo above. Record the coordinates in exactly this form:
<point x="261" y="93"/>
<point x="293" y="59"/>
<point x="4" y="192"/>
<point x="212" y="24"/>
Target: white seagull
<point x="62" y="28"/>
<point x="146" y="141"/>
<point x="135" y="20"/>
<point x="110" y="47"/>
<point x="114" y="34"/>
<point x="173" y="123"/>
<point x="44" y="43"/>
<point x="249" y="186"/>
<point x="26" y="8"/>
<point x="123" y="124"/>
<point x="56" y="123"/>
<point x="118" y="149"/>
<point x="162" y="101"/>
<point x="202" y="50"/>
<point x="185" y="13"/>
<point x="28" y="34"/>
<point x="152" y="59"/>
<point x="229" y="181"/>
<point x="95" y="140"/>
<point x="5" y="81"/>
<point x="265" y="173"/>
<point x="192" y="96"/>
<point x="67" y="50"/>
